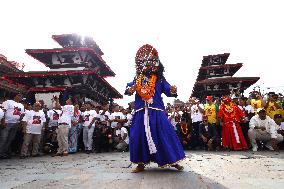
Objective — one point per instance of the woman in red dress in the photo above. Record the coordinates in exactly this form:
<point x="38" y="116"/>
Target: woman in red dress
<point x="231" y="116"/>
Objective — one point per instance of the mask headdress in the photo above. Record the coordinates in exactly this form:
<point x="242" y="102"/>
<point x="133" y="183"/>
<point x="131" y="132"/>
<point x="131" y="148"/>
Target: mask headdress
<point x="147" y="60"/>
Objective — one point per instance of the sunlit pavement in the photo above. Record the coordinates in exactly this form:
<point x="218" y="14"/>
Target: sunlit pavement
<point x="239" y="170"/>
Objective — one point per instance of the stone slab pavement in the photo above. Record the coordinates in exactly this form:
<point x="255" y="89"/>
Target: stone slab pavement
<point x="216" y="170"/>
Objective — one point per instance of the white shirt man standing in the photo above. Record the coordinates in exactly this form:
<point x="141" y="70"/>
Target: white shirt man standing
<point x="13" y="111"/>
<point x="89" y="118"/>
<point x="33" y="123"/>
<point x="64" y="124"/>
<point x="263" y="128"/>
<point x="196" y="112"/>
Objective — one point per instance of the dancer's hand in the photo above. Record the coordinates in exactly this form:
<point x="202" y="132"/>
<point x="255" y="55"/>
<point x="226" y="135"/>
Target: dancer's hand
<point x="173" y="89"/>
<point x="132" y="89"/>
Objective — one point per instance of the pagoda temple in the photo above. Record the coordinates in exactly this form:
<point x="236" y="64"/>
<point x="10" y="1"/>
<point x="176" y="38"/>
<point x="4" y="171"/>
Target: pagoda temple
<point x="77" y="69"/>
<point x="8" y="86"/>
<point x="215" y="77"/>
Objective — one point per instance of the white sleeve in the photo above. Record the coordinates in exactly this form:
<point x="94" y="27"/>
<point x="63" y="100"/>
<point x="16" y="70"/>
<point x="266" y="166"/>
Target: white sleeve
<point x="253" y="123"/>
<point x="124" y="130"/>
<point x="43" y="119"/>
<point x="1" y="114"/>
<point x="49" y="114"/>
<point x="22" y="109"/>
<point x="272" y="128"/>
<point x="98" y="115"/>
<point x="5" y="105"/>
<point x="26" y="117"/>
<point x="111" y="117"/>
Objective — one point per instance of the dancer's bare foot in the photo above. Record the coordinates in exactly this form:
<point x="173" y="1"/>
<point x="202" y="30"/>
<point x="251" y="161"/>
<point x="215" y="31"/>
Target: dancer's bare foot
<point x="178" y="167"/>
<point x="138" y="169"/>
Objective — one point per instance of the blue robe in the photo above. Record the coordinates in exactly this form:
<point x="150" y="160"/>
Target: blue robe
<point x="168" y="147"/>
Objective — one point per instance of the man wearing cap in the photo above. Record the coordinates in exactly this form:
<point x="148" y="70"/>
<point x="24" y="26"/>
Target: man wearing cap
<point x="263" y="128"/>
<point x="13" y="111"/>
<point x="210" y="110"/>
<point x="279" y="126"/>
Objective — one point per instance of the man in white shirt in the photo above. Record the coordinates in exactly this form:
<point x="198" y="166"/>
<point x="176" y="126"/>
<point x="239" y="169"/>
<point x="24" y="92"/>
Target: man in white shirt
<point x="33" y="123"/>
<point x="128" y="119"/>
<point x="105" y="115"/>
<point x="116" y="117"/>
<point x="249" y="113"/>
<point x="64" y="124"/>
<point x="53" y="117"/>
<point x="123" y="139"/>
<point x="196" y="112"/>
<point x="175" y="117"/>
<point x="13" y="111"/>
<point x="263" y="128"/>
<point x="90" y="116"/>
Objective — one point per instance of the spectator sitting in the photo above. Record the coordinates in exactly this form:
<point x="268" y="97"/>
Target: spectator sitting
<point x="279" y="126"/>
<point x="263" y="128"/>
<point x="184" y="133"/>
<point x="208" y="135"/>
<point x="123" y="139"/>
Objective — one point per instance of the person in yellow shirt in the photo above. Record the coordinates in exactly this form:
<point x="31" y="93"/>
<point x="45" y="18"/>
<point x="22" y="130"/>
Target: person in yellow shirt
<point x="256" y="101"/>
<point x="272" y="107"/>
<point x="210" y="110"/>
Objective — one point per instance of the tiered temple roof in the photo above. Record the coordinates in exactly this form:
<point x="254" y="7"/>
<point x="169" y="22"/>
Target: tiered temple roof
<point x="215" y="77"/>
<point x="7" y="68"/>
<point x="77" y="68"/>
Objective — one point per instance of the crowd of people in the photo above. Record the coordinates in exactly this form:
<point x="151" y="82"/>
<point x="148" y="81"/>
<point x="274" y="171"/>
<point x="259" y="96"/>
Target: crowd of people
<point x="230" y="123"/>
<point x="34" y="130"/>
